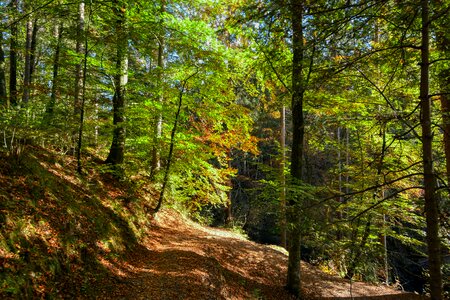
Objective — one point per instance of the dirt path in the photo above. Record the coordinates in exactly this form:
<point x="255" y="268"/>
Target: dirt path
<point x="182" y="260"/>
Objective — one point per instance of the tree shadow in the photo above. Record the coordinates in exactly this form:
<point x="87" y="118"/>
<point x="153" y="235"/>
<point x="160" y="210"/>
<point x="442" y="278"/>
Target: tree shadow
<point x="183" y="274"/>
<point x="54" y="226"/>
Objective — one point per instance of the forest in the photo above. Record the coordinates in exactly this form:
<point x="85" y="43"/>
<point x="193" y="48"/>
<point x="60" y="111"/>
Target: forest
<point x="322" y="127"/>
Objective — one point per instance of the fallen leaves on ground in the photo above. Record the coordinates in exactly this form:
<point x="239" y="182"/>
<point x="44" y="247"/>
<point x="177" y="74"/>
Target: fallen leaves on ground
<point x="182" y="260"/>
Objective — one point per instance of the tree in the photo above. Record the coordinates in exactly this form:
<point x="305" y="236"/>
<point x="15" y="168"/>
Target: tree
<point x="13" y="56"/>
<point x="3" y="94"/>
<point x="431" y="198"/>
<point x="156" y="160"/>
<point x="116" y="152"/>
<point x="56" y="64"/>
<point x="78" y="66"/>
<point x="298" y="131"/>
<point x="30" y="49"/>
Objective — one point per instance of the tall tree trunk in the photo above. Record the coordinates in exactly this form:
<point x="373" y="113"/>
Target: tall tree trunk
<point x="116" y="152"/>
<point x="55" y="82"/>
<point x="33" y="49"/>
<point x="78" y="66"/>
<point x="229" y="204"/>
<point x="83" y="99"/>
<point x="283" y="179"/>
<point x="443" y="45"/>
<point x="30" y="48"/>
<point x="13" y="59"/>
<point x="445" y="106"/>
<point x="3" y="95"/>
<point x="431" y="200"/>
<point x="172" y="143"/>
<point x="156" y="161"/>
<point x="298" y="128"/>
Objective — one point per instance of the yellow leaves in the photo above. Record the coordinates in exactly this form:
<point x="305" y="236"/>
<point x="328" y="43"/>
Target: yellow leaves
<point x="338" y="58"/>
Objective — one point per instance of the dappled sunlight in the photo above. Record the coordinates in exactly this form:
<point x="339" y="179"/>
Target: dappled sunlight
<point x="66" y="233"/>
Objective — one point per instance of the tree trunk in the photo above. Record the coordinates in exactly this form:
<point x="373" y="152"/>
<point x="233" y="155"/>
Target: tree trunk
<point x="27" y="68"/>
<point x="55" y="83"/>
<point x="172" y="144"/>
<point x="443" y="45"/>
<point x="283" y="179"/>
<point x="3" y="95"/>
<point x="83" y="99"/>
<point x="293" y="215"/>
<point x="355" y="258"/>
<point x="431" y="200"/>
<point x="445" y="106"/>
<point x="33" y="49"/>
<point x="13" y="59"/>
<point x="78" y="67"/>
<point x="156" y="161"/>
<point x="229" y="204"/>
<point x="116" y="152"/>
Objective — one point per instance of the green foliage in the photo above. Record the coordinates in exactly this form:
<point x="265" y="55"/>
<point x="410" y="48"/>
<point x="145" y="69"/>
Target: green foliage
<point x="362" y="151"/>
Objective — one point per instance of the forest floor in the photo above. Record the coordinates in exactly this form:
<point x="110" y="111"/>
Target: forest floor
<point x="68" y="236"/>
<point x="183" y="260"/>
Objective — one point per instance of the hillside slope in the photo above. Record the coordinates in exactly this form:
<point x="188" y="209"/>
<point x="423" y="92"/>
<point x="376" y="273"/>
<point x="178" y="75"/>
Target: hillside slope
<point x="69" y="236"/>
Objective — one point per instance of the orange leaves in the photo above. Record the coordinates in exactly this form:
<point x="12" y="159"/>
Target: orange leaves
<point x="221" y="138"/>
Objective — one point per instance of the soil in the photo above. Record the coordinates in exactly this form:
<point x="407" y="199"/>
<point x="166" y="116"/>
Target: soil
<point x="183" y="260"/>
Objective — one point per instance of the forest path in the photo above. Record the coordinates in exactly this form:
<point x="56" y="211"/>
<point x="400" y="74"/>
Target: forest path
<point x="182" y="260"/>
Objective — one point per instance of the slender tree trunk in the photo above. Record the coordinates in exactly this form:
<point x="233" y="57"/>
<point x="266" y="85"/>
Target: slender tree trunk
<point x="355" y="259"/>
<point x="385" y="247"/>
<point x="443" y="45"/>
<point x="78" y="66"/>
<point x="229" y="204"/>
<point x="26" y="78"/>
<point x="13" y="59"/>
<point x="445" y="106"/>
<point x="83" y="101"/>
<point x="55" y="82"/>
<point x="3" y="95"/>
<point x="30" y="48"/>
<point x="431" y="200"/>
<point x="293" y="215"/>
<point x="33" y="49"/>
<point x="156" y="161"/>
<point x="172" y="144"/>
<point x="116" y="152"/>
<point x="283" y="179"/>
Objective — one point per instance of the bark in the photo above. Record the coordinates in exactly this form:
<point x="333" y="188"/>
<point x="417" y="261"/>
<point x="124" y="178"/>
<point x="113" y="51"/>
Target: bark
<point x="116" y="152"/>
<point x="443" y="45"/>
<point x="445" y="106"/>
<point x="3" y="95"/>
<point x="431" y="200"/>
<point x="30" y="48"/>
<point x="55" y="82"/>
<point x="293" y="216"/>
<point x="83" y="100"/>
<point x="229" y="204"/>
<point x="283" y="179"/>
<point x="156" y="161"/>
<point x="33" y="49"/>
<point x="27" y="69"/>
<point x="78" y="66"/>
<point x="13" y="59"/>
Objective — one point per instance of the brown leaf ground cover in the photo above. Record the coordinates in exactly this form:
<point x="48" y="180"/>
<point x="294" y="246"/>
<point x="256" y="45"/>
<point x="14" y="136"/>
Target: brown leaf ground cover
<point x="182" y="260"/>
